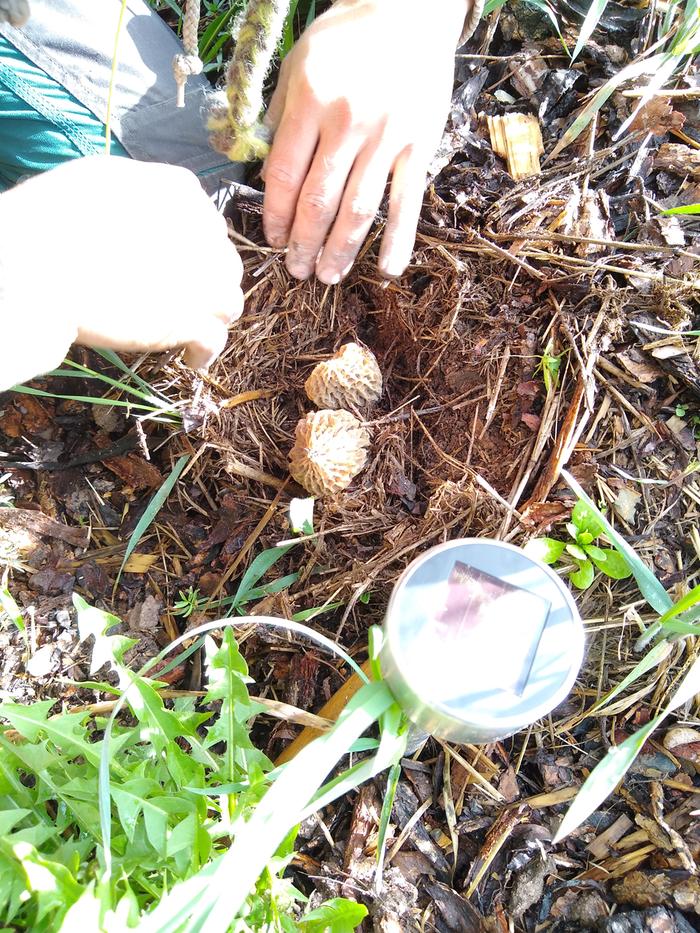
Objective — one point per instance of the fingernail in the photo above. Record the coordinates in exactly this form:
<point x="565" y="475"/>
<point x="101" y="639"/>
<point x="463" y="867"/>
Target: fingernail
<point x="328" y="276"/>
<point x="298" y="271"/>
<point x="276" y="238"/>
<point x="390" y="268"/>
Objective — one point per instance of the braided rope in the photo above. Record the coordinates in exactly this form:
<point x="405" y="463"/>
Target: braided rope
<point x="236" y="130"/>
<point x="188" y="62"/>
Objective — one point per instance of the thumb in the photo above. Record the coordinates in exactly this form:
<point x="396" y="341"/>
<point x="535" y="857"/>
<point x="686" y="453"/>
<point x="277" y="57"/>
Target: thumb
<point x="211" y="340"/>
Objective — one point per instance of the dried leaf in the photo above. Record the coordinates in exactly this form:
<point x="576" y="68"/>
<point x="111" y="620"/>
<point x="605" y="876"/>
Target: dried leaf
<point x="657" y="116"/>
<point x="653" y="889"/>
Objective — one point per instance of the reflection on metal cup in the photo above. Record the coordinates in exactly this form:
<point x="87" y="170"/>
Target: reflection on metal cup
<point x="480" y="640"/>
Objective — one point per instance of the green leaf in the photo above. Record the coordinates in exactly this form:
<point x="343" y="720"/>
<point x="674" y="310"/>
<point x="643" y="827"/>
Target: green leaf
<point x="605" y="777"/>
<point x="592" y="18"/>
<point x="576" y="552"/>
<point x="650" y="660"/>
<point x="215" y="894"/>
<point x="587" y="519"/>
<point x="335" y="916"/>
<point x="650" y="588"/>
<point x="227" y="674"/>
<point x="573" y="531"/>
<point x="107" y="649"/>
<point x="67" y="732"/>
<point x="595" y="553"/>
<point x="685" y="603"/>
<point x="152" y="509"/>
<point x="547" y="550"/>
<point x="685" y="209"/>
<point x="583" y="577"/>
<point x="258" y="568"/>
<point x="142" y="797"/>
<point x="611" y="563"/>
<point x="13" y="612"/>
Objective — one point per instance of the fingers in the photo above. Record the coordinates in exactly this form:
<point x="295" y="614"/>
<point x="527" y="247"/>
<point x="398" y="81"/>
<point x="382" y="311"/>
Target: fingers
<point x="286" y="168"/>
<point x="405" y="202"/>
<point x="319" y="199"/>
<point x="358" y="207"/>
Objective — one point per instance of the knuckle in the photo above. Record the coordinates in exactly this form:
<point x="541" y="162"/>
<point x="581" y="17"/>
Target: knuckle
<point x="339" y="257"/>
<point x="342" y="116"/>
<point x="300" y="250"/>
<point x="280" y="175"/>
<point x="316" y="205"/>
<point x="361" y="212"/>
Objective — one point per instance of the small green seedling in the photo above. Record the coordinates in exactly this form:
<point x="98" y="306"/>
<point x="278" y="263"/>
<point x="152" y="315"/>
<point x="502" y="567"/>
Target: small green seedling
<point x="584" y="530"/>
<point x="549" y="365"/>
<point x="187" y="603"/>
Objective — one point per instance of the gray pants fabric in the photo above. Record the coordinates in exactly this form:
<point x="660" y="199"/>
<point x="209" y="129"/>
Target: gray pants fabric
<point x="73" y="42"/>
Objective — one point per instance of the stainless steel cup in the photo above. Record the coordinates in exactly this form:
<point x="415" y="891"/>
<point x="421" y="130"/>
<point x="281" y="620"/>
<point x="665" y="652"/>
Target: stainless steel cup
<point x="480" y="640"/>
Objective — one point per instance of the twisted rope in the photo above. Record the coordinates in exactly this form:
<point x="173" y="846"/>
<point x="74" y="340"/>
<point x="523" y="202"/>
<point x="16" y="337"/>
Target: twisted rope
<point x="188" y="61"/>
<point x="236" y="129"/>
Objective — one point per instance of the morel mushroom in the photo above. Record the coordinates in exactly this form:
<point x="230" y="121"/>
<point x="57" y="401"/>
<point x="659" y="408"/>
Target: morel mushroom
<point x="329" y="451"/>
<point x="350" y="378"/>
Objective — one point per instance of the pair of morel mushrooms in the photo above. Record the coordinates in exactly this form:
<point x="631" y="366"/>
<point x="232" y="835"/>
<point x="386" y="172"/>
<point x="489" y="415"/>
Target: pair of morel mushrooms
<point x="331" y="444"/>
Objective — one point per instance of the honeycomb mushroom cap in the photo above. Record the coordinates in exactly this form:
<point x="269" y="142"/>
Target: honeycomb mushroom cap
<point x="329" y="451"/>
<point x="350" y="378"/>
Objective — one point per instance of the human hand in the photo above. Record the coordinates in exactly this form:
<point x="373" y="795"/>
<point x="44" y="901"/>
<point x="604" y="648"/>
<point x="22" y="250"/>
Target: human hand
<point x="114" y="253"/>
<point x="364" y="93"/>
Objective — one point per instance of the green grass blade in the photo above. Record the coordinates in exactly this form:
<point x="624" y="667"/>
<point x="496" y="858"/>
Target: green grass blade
<point x="258" y="568"/>
<point x="152" y="509"/>
<point x="650" y="660"/>
<point x="88" y="399"/>
<point x="634" y="70"/>
<point x="649" y="586"/>
<point x="212" y="34"/>
<point x="256" y="841"/>
<point x="311" y="15"/>
<point x="610" y="771"/>
<point x="595" y="11"/>
<point x="685" y="603"/>
<point x="685" y="209"/>
<point x="604" y="779"/>
<point x="115" y="360"/>
<point x="13" y="612"/>
<point x="392" y="782"/>
<point x="288" y="30"/>
<point x="548" y="11"/>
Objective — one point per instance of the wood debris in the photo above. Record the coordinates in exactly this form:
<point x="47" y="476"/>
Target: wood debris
<point x="517" y="138"/>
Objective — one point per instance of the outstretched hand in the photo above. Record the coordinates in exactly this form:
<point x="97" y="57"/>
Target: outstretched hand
<point x="363" y="95"/>
<point x="114" y="253"/>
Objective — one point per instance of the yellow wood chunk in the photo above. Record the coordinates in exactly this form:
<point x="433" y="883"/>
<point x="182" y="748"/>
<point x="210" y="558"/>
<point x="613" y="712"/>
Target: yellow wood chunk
<point x="517" y="138"/>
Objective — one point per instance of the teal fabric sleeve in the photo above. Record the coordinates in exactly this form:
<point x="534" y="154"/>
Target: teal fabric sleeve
<point x="41" y="124"/>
